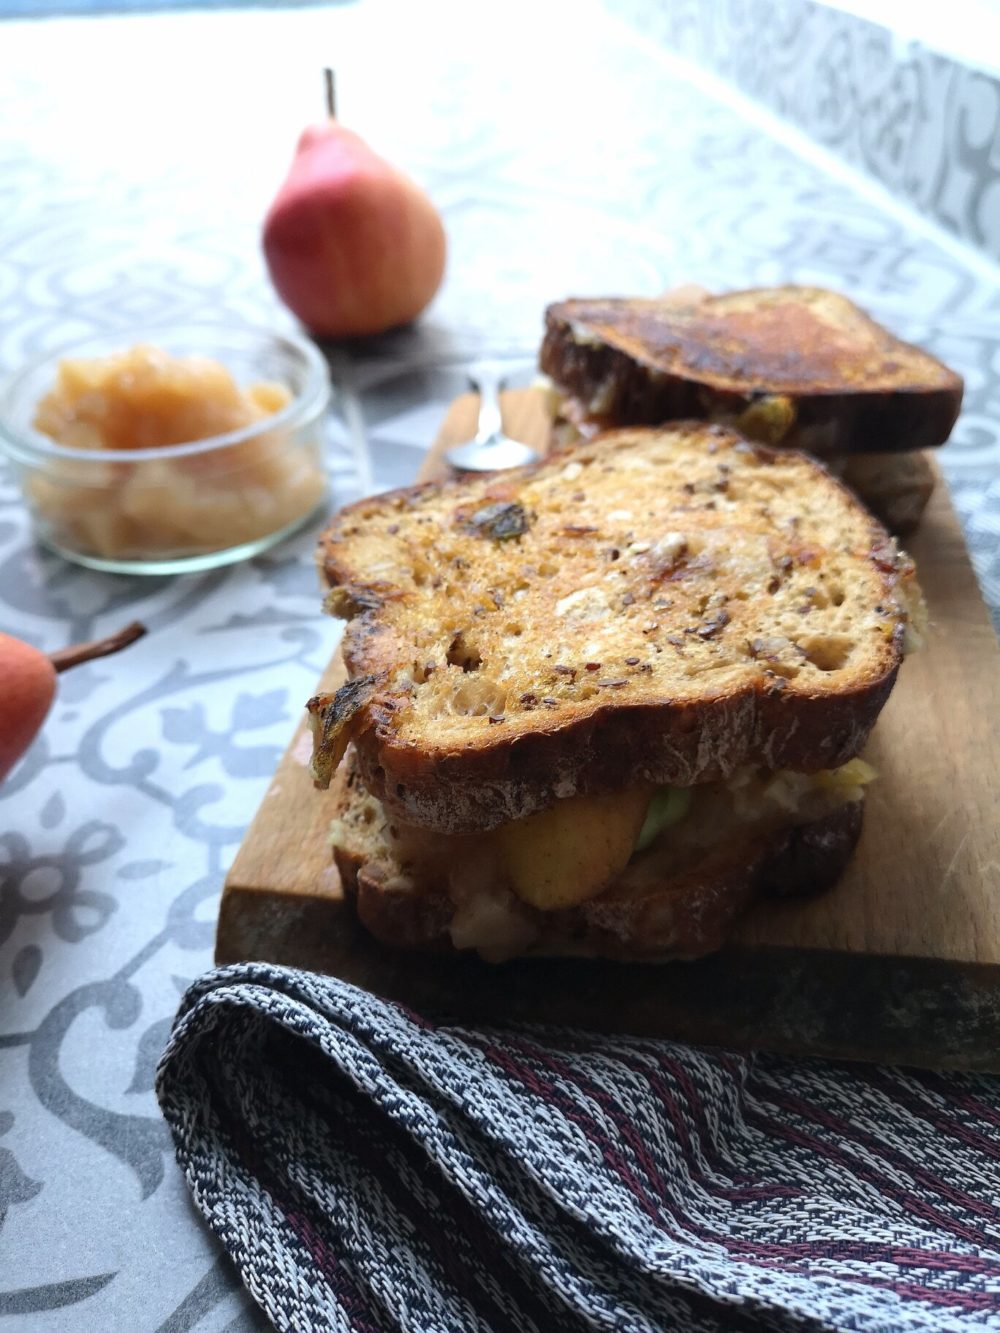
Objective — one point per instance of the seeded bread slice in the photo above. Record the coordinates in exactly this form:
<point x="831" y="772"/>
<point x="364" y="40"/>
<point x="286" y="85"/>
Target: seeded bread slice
<point x="799" y="366"/>
<point x="667" y="605"/>
<point x="679" y="900"/>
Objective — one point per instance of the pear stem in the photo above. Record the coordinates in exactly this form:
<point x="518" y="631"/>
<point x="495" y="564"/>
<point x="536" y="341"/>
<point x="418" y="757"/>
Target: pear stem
<point x="331" y="93"/>
<point x="64" y="658"/>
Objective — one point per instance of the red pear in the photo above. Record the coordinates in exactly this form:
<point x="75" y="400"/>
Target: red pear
<point x="352" y="245"/>
<point x="28" y="685"/>
<point x="27" y="688"/>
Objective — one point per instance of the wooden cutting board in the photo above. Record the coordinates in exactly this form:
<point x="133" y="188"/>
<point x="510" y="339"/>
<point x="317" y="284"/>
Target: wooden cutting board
<point x="900" y="963"/>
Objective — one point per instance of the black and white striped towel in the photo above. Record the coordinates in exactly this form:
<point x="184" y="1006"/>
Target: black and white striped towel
<point x="369" y="1171"/>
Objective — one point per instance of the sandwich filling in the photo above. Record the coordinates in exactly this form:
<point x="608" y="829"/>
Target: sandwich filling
<point x="769" y="418"/>
<point x="497" y="892"/>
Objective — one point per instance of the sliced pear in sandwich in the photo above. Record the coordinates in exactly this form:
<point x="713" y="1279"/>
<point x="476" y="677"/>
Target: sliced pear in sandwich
<point x="569" y="853"/>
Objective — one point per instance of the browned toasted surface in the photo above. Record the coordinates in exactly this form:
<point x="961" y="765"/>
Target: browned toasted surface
<point x="677" y="900"/>
<point x="852" y="384"/>
<point x="665" y="606"/>
<point x="795" y="340"/>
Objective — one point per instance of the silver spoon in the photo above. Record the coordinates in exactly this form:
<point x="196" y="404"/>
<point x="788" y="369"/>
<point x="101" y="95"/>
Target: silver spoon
<point x="491" y="450"/>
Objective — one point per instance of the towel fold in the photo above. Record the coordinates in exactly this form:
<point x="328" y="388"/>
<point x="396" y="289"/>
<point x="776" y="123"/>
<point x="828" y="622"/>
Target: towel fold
<point x="367" y="1170"/>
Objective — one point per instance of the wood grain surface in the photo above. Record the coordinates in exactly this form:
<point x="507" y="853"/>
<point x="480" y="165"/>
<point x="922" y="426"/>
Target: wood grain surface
<point x="900" y="962"/>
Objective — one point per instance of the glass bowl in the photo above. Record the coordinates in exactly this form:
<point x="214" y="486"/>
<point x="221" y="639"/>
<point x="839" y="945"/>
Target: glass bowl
<point x="177" y="507"/>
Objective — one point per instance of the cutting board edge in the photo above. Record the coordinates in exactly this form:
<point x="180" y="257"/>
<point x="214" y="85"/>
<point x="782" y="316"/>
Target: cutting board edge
<point x="929" y="1013"/>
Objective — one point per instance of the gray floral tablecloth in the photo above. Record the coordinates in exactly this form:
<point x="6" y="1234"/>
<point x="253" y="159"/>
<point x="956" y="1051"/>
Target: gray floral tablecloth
<point x="136" y="158"/>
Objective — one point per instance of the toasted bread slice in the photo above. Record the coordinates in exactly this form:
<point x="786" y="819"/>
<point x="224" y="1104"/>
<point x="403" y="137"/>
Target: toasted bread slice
<point x="679" y="899"/>
<point x="797" y="366"/>
<point x="666" y="605"/>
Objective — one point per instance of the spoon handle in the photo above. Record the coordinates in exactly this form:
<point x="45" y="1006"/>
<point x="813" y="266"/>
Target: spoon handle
<point x="488" y="380"/>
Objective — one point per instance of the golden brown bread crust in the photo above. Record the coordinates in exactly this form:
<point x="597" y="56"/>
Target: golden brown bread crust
<point x="480" y="787"/>
<point x="645" y="917"/>
<point x="712" y="683"/>
<point x="855" y="387"/>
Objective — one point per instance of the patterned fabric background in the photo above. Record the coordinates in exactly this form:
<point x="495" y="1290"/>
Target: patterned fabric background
<point x="923" y="124"/>
<point x="136" y="159"/>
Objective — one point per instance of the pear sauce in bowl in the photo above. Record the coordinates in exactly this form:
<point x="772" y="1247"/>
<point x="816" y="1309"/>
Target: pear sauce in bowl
<point x="172" y="449"/>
